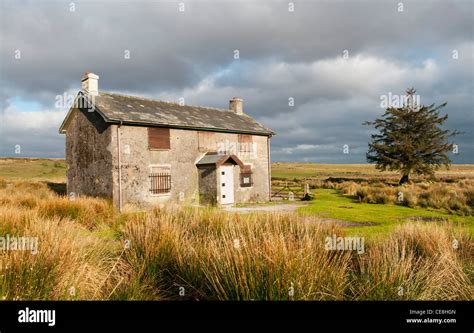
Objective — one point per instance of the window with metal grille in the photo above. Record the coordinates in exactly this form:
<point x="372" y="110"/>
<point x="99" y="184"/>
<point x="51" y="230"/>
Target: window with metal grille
<point x="160" y="180"/>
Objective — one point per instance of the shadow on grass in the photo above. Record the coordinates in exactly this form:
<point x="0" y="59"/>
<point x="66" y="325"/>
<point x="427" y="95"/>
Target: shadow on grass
<point x="58" y="188"/>
<point x="353" y="198"/>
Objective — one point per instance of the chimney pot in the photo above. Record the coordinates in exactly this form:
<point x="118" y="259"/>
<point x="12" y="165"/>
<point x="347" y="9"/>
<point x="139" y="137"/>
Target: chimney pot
<point x="90" y="83"/>
<point x="236" y="105"/>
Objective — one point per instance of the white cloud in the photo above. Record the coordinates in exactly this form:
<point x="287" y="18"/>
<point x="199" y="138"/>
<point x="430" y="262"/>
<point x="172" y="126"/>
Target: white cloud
<point x="19" y="121"/>
<point x="35" y="132"/>
<point x="302" y="147"/>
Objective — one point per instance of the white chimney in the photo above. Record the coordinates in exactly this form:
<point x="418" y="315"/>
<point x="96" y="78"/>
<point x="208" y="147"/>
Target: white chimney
<point x="236" y="105"/>
<point x="90" y="83"/>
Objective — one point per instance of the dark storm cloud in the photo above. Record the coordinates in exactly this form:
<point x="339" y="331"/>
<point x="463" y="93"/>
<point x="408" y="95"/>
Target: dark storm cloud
<point x="282" y="54"/>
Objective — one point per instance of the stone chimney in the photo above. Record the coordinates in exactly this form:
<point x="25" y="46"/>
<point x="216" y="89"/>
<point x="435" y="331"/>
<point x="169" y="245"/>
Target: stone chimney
<point x="236" y="105"/>
<point x="90" y="83"/>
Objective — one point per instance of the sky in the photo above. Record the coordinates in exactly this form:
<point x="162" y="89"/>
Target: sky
<point x="313" y="71"/>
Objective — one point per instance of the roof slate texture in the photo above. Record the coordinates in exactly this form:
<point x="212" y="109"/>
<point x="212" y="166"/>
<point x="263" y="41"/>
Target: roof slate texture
<point x="218" y="159"/>
<point x="116" y="108"/>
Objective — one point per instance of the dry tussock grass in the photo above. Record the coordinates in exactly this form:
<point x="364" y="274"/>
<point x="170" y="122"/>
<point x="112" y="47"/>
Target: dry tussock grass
<point x="454" y="197"/>
<point x="85" y="244"/>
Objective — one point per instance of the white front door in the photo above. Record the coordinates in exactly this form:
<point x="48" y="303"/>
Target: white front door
<point x="227" y="184"/>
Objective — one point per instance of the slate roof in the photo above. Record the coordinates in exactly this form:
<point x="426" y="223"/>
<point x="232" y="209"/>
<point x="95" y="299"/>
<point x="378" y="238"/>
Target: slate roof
<point x="218" y="159"/>
<point x="116" y="108"/>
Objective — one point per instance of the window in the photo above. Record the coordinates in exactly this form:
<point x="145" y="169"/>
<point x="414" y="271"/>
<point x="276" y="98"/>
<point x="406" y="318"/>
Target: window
<point x="246" y="176"/>
<point x="245" y="143"/>
<point x="246" y="180"/>
<point x="206" y="141"/>
<point x="158" y="138"/>
<point x="160" y="180"/>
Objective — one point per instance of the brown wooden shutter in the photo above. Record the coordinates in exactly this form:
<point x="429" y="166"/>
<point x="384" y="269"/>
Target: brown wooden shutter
<point x="207" y="141"/>
<point x="158" y="138"/>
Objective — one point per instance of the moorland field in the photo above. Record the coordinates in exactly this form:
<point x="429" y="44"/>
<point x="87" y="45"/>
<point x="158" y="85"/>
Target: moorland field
<point x="418" y="240"/>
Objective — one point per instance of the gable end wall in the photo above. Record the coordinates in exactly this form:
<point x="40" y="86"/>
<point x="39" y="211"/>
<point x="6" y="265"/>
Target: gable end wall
<point x="88" y="155"/>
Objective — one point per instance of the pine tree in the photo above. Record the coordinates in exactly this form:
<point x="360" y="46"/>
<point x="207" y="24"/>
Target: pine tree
<point x="410" y="139"/>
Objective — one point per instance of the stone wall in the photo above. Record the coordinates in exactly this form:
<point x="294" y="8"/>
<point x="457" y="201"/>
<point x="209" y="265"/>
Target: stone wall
<point x="136" y="160"/>
<point x="208" y="185"/>
<point x="88" y="155"/>
<point x="259" y="192"/>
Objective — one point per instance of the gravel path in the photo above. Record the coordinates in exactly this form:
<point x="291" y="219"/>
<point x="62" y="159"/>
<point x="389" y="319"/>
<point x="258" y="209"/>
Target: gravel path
<point x="291" y="208"/>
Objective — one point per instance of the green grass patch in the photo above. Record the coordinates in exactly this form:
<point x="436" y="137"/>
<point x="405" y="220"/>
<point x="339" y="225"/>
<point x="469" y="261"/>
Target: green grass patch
<point x="328" y="203"/>
<point x="33" y="168"/>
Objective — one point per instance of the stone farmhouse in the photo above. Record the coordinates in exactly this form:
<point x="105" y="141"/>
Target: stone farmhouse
<point x="144" y="152"/>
